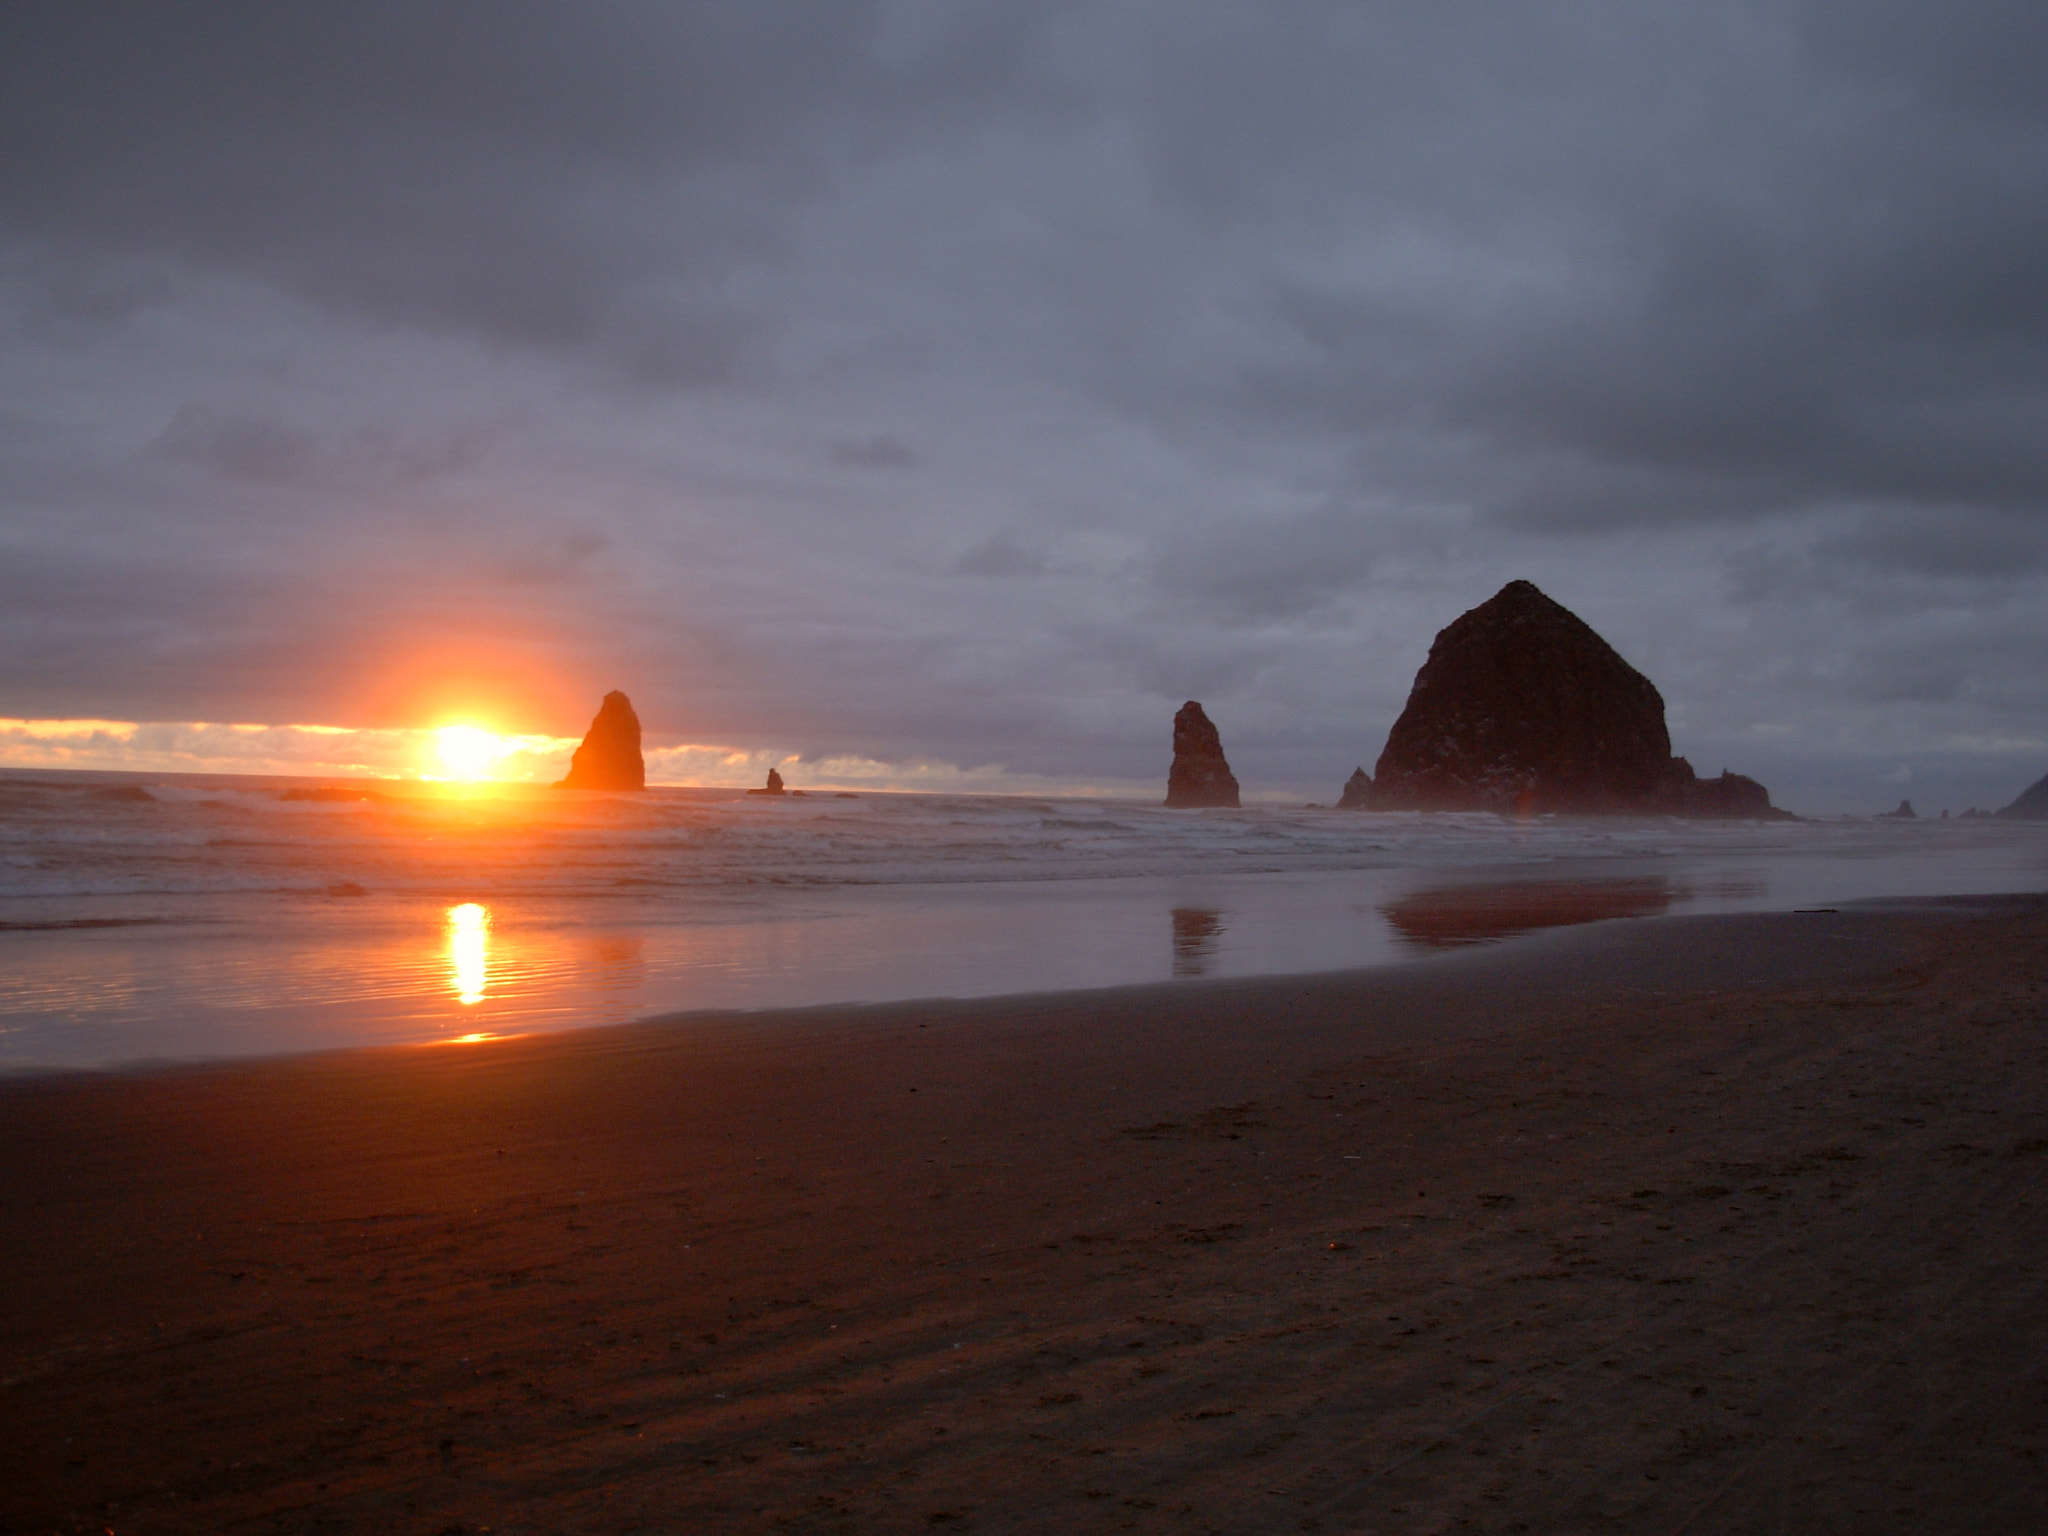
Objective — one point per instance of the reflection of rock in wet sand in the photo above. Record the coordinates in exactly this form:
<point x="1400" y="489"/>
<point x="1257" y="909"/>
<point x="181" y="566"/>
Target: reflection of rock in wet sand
<point x="1475" y="914"/>
<point x="613" y="967"/>
<point x="615" y="964"/>
<point x="1195" y="932"/>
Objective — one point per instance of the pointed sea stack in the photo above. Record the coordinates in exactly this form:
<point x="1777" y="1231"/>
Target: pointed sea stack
<point x="610" y="755"/>
<point x="1522" y="708"/>
<point x="1357" y="794"/>
<point x="774" y="786"/>
<point x="1199" y="775"/>
<point x="2032" y="805"/>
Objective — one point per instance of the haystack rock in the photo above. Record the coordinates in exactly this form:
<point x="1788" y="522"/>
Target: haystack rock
<point x="1357" y="794"/>
<point x="609" y="757"/>
<point x="1199" y="775"/>
<point x="1521" y="707"/>
<point x="774" y="786"/>
<point x="1905" y="812"/>
<point x="2032" y="805"/>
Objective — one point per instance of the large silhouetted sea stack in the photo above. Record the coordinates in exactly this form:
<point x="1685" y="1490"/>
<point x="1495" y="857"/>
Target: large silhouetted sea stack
<point x="1199" y="775"/>
<point x="609" y="757"/>
<point x="2032" y="804"/>
<point x="1357" y="794"/>
<point x="1521" y="707"/>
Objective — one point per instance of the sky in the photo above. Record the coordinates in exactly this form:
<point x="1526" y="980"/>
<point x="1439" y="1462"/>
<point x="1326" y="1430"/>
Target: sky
<point x="937" y="395"/>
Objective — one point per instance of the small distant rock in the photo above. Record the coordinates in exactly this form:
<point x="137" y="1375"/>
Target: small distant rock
<point x="1905" y="812"/>
<point x="1357" y="794"/>
<point x="2032" y="805"/>
<point x="774" y="785"/>
<point x="609" y="757"/>
<point x="1200" y="776"/>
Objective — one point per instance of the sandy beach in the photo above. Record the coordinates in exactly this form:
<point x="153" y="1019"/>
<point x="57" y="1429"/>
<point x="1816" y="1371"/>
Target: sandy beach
<point x="1704" y="1224"/>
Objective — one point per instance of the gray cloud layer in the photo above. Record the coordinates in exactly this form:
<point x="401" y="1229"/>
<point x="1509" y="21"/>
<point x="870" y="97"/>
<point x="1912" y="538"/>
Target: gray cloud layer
<point x="974" y="383"/>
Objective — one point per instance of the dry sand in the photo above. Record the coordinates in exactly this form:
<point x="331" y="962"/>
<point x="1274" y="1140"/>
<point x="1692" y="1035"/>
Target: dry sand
<point x="1686" y="1226"/>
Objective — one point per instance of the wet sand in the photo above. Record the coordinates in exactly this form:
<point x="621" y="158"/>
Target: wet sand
<point x="1719" y="1224"/>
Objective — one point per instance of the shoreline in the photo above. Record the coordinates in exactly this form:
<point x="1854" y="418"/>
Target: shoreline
<point x="1592" y="1228"/>
<point x="1547" y="940"/>
<point x="315" y="926"/>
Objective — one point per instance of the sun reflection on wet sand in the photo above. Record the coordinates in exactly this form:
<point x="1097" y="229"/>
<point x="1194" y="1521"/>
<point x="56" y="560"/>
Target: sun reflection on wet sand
<point x="469" y="941"/>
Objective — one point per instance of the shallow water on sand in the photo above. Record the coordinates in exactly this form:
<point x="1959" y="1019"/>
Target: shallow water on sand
<point x="152" y="918"/>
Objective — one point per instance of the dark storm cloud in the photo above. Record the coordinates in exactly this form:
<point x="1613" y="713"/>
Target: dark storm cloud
<point x="256" y="447"/>
<point x="1277" y="566"/>
<point x="1737" y="267"/>
<point x="880" y="451"/>
<point x="999" y="555"/>
<point x="242" y="447"/>
<point x="974" y="382"/>
<point x="545" y="177"/>
<point x="1983" y="551"/>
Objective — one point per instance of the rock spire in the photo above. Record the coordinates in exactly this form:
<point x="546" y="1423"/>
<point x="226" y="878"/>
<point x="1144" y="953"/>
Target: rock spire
<point x="609" y="757"/>
<point x="1199" y="775"/>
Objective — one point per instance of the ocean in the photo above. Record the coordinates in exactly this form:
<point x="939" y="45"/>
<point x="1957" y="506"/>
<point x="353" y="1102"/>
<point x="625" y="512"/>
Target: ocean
<point x="161" y="918"/>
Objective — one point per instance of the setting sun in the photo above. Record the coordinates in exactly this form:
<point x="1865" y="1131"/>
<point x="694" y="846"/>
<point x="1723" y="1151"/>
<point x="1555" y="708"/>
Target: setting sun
<point x="468" y="751"/>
